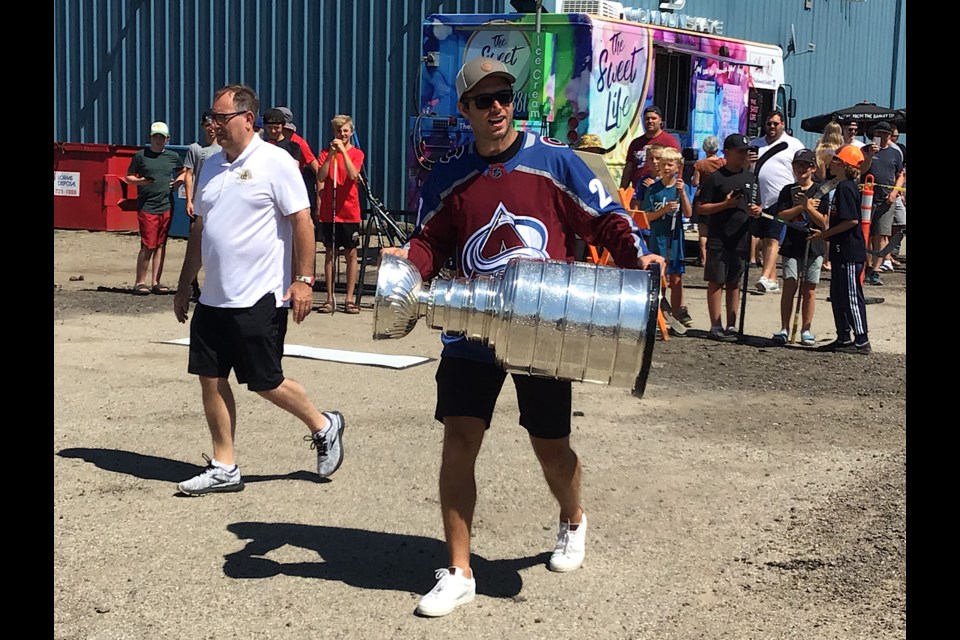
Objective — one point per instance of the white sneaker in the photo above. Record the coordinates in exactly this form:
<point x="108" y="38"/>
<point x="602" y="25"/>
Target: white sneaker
<point x="773" y="286"/>
<point x="761" y="284"/>
<point x="571" y="547"/>
<point x="329" y="444"/>
<point x="451" y="591"/>
<point x="214" y="479"/>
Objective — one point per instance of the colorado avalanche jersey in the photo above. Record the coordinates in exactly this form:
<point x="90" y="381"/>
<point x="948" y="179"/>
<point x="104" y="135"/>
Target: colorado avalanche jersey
<point x="533" y="205"/>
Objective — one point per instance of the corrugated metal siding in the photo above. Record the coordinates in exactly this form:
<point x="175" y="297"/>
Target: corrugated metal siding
<point x="121" y="64"/>
<point x="856" y="56"/>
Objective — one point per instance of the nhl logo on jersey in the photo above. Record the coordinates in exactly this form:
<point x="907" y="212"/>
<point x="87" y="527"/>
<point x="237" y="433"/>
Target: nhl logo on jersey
<point x="496" y="171"/>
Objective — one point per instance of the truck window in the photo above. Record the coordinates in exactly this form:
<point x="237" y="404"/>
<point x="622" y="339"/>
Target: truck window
<point x="671" y="88"/>
<point x="760" y="103"/>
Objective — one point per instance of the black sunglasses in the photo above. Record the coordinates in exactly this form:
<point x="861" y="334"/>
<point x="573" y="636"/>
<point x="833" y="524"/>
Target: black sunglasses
<point x="485" y="100"/>
<point x="224" y="118"/>
<point x="773" y="124"/>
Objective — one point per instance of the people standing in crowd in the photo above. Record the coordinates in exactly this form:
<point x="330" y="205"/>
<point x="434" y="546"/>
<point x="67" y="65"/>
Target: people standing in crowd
<point x="466" y="204"/>
<point x="196" y="155"/>
<point x="850" y="132"/>
<point x="652" y="176"/>
<point x="800" y="203"/>
<point x="848" y="252"/>
<point x="309" y="167"/>
<point x="833" y="139"/>
<point x="899" y="209"/>
<point x="156" y="172"/>
<point x="636" y="167"/>
<point x="274" y="121"/>
<point x="339" y="170"/>
<point x="885" y="163"/>
<point x="827" y="145"/>
<point x="701" y="169"/>
<point x="664" y="204"/>
<point x="254" y="238"/>
<point x="776" y="172"/>
<point x="724" y="199"/>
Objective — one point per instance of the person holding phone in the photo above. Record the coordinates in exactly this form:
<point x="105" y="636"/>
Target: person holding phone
<point x="662" y="203"/>
<point x="798" y="202"/>
<point x="157" y="172"/>
<point x="724" y="200"/>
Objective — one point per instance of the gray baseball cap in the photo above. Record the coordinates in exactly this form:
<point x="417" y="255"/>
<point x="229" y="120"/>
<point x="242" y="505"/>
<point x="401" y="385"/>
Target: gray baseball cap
<point x="476" y="70"/>
<point x="287" y="114"/>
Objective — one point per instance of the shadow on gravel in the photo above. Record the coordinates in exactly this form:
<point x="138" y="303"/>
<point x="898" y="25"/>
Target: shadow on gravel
<point x="365" y="559"/>
<point x="163" y="469"/>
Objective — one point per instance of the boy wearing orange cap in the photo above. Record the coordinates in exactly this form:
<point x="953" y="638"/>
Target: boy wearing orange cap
<point x="847" y="252"/>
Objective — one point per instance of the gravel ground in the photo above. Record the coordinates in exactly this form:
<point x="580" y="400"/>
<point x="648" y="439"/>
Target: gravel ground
<point x="754" y="492"/>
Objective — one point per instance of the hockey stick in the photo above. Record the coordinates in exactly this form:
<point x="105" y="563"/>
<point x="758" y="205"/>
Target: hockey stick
<point x="772" y="151"/>
<point x="746" y="268"/>
<point x="333" y="234"/>
<point x="889" y="247"/>
<point x="665" y="306"/>
<point x="801" y="278"/>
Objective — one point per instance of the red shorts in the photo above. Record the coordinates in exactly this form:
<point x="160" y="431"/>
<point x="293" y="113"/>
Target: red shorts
<point x="154" y="228"/>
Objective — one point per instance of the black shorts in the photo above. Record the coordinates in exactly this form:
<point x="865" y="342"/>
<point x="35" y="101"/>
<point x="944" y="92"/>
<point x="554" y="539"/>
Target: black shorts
<point x="724" y="266"/>
<point x="348" y="234"/>
<point x="767" y="228"/>
<point x="249" y="341"/>
<point x="470" y="388"/>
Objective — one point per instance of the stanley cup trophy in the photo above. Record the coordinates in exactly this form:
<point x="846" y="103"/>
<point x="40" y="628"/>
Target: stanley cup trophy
<point x="565" y="320"/>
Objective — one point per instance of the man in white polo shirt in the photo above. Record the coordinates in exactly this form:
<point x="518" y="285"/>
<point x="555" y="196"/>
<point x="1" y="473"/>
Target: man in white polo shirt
<point x="255" y="240"/>
<point x="776" y="172"/>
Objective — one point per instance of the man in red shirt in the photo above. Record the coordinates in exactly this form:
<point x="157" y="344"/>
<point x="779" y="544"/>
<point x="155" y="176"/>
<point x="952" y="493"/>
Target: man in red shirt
<point x="635" y="169"/>
<point x="340" y="223"/>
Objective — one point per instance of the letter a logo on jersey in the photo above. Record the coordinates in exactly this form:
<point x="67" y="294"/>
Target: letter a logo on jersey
<point x="507" y="236"/>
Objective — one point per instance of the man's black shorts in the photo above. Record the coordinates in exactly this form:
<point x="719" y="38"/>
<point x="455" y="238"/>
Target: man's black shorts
<point x="767" y="228"/>
<point x="348" y="234"/>
<point x="724" y="266"/>
<point x="470" y="388"/>
<point x="249" y="341"/>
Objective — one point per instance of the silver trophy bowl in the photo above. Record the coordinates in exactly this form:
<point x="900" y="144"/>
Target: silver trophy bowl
<point x="565" y="320"/>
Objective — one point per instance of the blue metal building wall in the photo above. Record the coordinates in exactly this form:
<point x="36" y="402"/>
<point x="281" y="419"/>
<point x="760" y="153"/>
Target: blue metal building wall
<point x="121" y="64"/>
<point x="860" y="47"/>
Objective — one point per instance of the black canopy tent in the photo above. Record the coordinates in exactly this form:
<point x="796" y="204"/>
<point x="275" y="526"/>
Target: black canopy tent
<point x="864" y="113"/>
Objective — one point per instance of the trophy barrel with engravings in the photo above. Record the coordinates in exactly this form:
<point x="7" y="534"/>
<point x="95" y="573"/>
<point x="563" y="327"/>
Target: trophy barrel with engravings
<point x="565" y="320"/>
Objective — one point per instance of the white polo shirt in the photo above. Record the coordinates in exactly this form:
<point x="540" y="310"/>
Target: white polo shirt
<point x="247" y="241"/>
<point x="777" y="172"/>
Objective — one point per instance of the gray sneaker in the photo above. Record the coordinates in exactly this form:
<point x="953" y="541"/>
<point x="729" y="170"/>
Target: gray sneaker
<point x="213" y="479"/>
<point x="328" y="444"/>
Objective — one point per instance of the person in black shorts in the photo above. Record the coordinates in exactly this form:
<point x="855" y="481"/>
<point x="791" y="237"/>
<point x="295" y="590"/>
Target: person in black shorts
<point x="476" y="206"/>
<point x="724" y="201"/>
<point x="339" y="169"/>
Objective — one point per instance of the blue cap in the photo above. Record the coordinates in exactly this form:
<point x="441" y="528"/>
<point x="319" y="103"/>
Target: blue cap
<point x="258" y="123"/>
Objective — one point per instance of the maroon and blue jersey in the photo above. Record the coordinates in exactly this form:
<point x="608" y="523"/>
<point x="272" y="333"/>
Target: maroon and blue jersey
<point x="532" y="205"/>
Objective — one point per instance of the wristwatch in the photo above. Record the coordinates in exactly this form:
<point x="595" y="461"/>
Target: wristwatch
<point x="305" y="279"/>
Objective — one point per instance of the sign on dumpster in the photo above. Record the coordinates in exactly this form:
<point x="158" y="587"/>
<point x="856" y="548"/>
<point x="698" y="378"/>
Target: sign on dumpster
<point x="66" y="183"/>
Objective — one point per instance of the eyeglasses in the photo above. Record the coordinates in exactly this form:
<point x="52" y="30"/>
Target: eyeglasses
<point x="223" y="118"/>
<point x="773" y="123"/>
<point x="485" y="100"/>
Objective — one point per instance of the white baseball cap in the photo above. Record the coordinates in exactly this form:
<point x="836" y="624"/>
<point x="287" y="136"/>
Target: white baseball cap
<point x="160" y="128"/>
